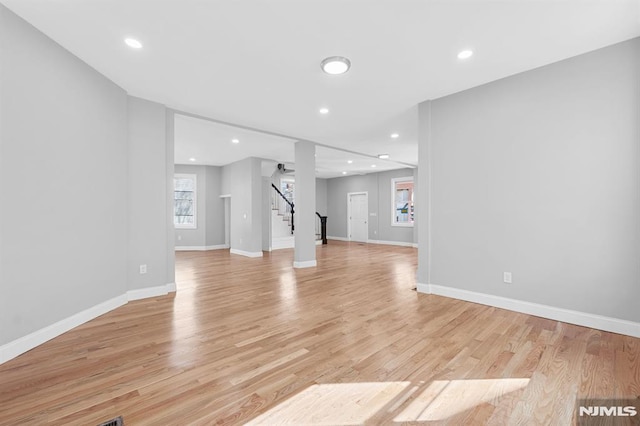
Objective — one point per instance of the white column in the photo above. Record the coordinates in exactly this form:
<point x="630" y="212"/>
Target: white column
<point x="305" y="206"/>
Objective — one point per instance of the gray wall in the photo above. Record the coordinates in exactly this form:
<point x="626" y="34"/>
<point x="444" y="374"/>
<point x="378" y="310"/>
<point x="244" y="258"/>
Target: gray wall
<point x="538" y="174"/>
<point x="321" y="196"/>
<point x="243" y="181"/>
<point x="63" y="180"/>
<point x="147" y="194"/>
<point x="210" y="208"/>
<point x="214" y="235"/>
<point x="88" y="169"/>
<point x="378" y="187"/>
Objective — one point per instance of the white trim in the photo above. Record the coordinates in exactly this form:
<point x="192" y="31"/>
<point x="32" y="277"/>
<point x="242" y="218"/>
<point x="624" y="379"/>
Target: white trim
<point x="202" y="248"/>
<point x="584" y="319"/>
<point x="246" y="253"/>
<point x="349" y="194"/>
<point x="394" y="181"/>
<point x="171" y="287"/>
<point x="305" y="264"/>
<point x="225" y="196"/>
<point x="147" y="292"/>
<point x="193" y="176"/>
<point x="393" y="243"/>
<point x="23" y="344"/>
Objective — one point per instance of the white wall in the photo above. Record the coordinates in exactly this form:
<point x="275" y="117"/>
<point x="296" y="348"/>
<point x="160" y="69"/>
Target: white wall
<point x="538" y="174"/>
<point x="63" y="135"/>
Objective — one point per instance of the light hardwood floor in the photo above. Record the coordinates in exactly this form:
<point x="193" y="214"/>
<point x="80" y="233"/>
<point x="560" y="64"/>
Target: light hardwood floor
<point x="349" y="342"/>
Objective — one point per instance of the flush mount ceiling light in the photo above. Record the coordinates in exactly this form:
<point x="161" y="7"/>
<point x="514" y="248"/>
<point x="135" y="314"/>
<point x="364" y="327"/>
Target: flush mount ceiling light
<point x="465" y="54"/>
<point x="349" y="161"/>
<point x="383" y="156"/>
<point x="344" y="173"/>
<point x="374" y="166"/>
<point x="335" y="65"/>
<point x="192" y="159"/>
<point x="324" y="110"/>
<point x="395" y="135"/>
<point x="133" y="43"/>
<point x="235" y="140"/>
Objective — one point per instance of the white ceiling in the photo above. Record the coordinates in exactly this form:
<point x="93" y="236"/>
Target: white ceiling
<point x="210" y="143"/>
<point x="256" y="62"/>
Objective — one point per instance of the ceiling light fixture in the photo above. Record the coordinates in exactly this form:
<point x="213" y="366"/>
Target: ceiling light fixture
<point x="465" y="54"/>
<point x="344" y="173"/>
<point x="324" y="110"/>
<point x="133" y="43"/>
<point x="349" y="161"/>
<point x="335" y="65"/>
<point x="383" y="156"/>
<point x="394" y="136"/>
<point x="235" y="140"/>
<point x="374" y="166"/>
<point x="192" y="159"/>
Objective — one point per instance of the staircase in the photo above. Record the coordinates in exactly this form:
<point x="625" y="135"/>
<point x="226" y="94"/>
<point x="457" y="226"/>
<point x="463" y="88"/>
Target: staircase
<point x="282" y="226"/>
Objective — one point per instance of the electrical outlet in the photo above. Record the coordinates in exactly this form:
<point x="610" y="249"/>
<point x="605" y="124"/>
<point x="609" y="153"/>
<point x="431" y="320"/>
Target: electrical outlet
<point x="507" y="277"/>
<point x="143" y="269"/>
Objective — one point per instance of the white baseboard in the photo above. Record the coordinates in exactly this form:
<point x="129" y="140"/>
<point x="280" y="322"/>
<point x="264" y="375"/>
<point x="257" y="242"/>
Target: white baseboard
<point x="584" y="319"/>
<point x="305" y="264"/>
<point x="30" y="341"/>
<point x="23" y="344"/>
<point x="389" y="243"/>
<point x="246" y="253"/>
<point x="145" y="293"/>
<point x="201" y="248"/>
<point x="393" y="243"/>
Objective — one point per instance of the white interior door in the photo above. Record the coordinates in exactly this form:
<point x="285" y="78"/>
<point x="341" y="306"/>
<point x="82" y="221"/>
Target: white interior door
<point x="358" y="217"/>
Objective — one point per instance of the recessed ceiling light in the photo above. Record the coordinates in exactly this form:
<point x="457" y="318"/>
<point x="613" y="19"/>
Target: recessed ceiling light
<point x="374" y="166"/>
<point x="235" y="140"/>
<point x="344" y="173"/>
<point x="324" y="110"/>
<point x="350" y="161"/>
<point x="335" y="65"/>
<point x="465" y="54"/>
<point x="192" y="159"/>
<point x="133" y="43"/>
<point x="383" y="156"/>
<point x="395" y="135"/>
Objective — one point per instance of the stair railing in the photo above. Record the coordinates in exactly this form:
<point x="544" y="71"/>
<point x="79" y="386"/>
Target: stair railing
<point x="288" y="205"/>
<point x="321" y="224"/>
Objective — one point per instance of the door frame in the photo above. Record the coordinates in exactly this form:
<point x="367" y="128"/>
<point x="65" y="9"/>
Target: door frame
<point x="349" y="194"/>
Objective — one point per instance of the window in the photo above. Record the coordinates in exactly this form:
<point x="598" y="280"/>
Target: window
<point x="184" y="201"/>
<point x="402" y="201"/>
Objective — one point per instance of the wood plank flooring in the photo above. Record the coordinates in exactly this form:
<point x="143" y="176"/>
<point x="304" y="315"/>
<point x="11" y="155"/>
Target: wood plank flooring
<point x="349" y="342"/>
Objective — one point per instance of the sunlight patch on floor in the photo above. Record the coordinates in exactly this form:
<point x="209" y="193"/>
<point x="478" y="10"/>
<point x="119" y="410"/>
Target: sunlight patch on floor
<point x="333" y="404"/>
<point x="446" y="398"/>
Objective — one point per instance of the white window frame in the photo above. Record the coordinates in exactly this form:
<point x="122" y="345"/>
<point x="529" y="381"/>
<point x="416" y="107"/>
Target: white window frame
<point x="395" y="181"/>
<point x="195" y="201"/>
